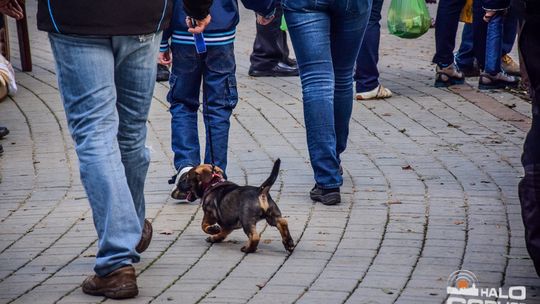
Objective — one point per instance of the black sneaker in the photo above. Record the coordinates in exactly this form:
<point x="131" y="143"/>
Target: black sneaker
<point x="325" y="196"/>
<point x="162" y="73"/>
<point x="3" y="132"/>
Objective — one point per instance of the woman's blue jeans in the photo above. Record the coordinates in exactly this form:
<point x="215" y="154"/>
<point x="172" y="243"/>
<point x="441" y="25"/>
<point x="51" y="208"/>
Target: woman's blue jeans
<point x="106" y="85"/>
<point x="326" y="36"/>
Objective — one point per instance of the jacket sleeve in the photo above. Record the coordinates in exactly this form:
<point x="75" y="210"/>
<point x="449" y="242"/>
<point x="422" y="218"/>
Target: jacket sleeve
<point x="197" y="9"/>
<point x="167" y="33"/>
<point x="496" y="5"/>
<point x="262" y="7"/>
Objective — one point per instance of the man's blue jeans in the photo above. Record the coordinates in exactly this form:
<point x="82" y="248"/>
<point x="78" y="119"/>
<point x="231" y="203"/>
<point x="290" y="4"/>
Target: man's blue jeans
<point x="465" y="55"/>
<point x="217" y="69"/>
<point x="106" y="85"/>
<point x="366" y="73"/>
<point x="326" y="35"/>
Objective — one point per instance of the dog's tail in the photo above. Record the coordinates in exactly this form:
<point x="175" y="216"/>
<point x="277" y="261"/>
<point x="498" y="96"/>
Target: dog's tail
<point x="265" y="187"/>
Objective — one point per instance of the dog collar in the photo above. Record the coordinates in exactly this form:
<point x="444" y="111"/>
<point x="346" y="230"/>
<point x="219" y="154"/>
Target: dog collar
<point x="216" y="179"/>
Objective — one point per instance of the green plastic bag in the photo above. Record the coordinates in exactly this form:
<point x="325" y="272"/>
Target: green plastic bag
<point x="283" y="25"/>
<point x="408" y="18"/>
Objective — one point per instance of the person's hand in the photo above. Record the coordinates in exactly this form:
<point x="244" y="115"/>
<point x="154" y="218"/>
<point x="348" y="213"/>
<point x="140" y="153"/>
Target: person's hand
<point x="488" y="15"/>
<point x="164" y="58"/>
<point x="12" y="8"/>
<point x="200" y="25"/>
<point x="264" y="21"/>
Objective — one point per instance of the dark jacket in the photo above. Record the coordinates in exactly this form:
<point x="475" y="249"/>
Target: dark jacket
<point x="222" y="28"/>
<point x="496" y="5"/>
<point x="111" y="17"/>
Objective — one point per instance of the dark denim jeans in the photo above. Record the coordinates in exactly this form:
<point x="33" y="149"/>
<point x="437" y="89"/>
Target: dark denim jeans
<point x="217" y="69"/>
<point x="465" y="54"/>
<point x="366" y="74"/>
<point x="494" y="43"/>
<point x="445" y="30"/>
<point x="326" y="36"/>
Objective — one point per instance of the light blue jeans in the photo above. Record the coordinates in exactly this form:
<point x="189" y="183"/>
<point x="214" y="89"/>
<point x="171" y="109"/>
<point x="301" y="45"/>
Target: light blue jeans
<point x="106" y="86"/>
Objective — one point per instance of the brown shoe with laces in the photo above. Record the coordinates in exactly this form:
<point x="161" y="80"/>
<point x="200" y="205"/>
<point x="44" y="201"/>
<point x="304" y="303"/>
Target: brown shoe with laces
<point x="119" y="284"/>
<point x="146" y="237"/>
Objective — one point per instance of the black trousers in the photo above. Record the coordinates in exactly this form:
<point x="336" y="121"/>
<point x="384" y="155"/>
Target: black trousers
<point x="270" y="45"/>
<point x="529" y="187"/>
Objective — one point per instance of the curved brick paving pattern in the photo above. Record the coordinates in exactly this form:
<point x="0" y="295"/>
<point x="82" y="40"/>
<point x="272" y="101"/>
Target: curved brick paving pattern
<point x="430" y="188"/>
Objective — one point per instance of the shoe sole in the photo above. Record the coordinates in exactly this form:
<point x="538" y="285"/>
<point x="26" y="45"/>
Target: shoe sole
<point x="123" y="292"/>
<point x="327" y="199"/>
<point x="451" y="82"/>
<point x="496" y="86"/>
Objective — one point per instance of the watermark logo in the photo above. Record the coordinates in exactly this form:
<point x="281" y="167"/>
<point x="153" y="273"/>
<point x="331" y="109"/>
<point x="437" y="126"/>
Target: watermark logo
<point x="463" y="288"/>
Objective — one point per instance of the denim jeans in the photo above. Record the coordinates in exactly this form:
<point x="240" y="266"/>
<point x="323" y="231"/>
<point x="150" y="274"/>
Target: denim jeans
<point x="217" y="69"/>
<point x="465" y="55"/>
<point x="326" y="36"/>
<point x="366" y="74"/>
<point x="106" y="85"/>
<point x="445" y="30"/>
<point x="494" y="43"/>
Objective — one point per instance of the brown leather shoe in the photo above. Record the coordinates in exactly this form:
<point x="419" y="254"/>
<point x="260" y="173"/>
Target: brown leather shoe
<point x="119" y="284"/>
<point x="146" y="237"/>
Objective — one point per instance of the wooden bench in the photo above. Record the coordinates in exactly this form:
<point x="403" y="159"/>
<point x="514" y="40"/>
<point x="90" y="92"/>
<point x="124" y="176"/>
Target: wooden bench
<point x="24" y="42"/>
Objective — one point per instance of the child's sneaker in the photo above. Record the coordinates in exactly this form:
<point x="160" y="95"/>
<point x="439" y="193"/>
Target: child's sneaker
<point x="176" y="193"/>
<point x="509" y="66"/>
<point x="379" y="92"/>
<point x="499" y="81"/>
<point x="448" y="76"/>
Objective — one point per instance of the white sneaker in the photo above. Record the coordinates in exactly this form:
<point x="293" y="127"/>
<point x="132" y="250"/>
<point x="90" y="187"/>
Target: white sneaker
<point x="378" y="93"/>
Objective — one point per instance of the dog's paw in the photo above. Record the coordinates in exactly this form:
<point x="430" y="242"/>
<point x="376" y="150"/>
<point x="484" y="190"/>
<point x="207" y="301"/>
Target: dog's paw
<point x="214" y="229"/>
<point x="211" y="239"/>
<point x="247" y="249"/>
<point x="289" y="245"/>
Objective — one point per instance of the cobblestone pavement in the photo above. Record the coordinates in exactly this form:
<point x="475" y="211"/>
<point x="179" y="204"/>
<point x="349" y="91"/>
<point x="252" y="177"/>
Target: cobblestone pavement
<point x="430" y="187"/>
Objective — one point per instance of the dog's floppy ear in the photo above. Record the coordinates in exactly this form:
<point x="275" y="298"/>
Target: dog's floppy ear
<point x="204" y="173"/>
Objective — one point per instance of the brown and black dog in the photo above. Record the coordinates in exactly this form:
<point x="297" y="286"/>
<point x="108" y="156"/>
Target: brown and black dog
<point x="228" y="206"/>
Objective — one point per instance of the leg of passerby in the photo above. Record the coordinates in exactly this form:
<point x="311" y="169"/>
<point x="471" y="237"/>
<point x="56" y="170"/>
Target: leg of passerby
<point x="529" y="187"/>
<point x="163" y="73"/>
<point x="85" y="71"/>
<point x="326" y="77"/>
<point x="134" y="90"/>
<point x="465" y="55"/>
<point x="270" y="56"/>
<point x="183" y="97"/>
<point x="222" y="96"/>
<point x="366" y="74"/>
<point x="493" y="77"/>
<point x="510" y="28"/>
<point x="445" y="38"/>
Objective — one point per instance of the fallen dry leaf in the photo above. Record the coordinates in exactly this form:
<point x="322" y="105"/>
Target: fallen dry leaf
<point x="407" y="167"/>
<point x="166" y="231"/>
<point x="267" y="241"/>
<point x="458" y="222"/>
<point x="393" y="202"/>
